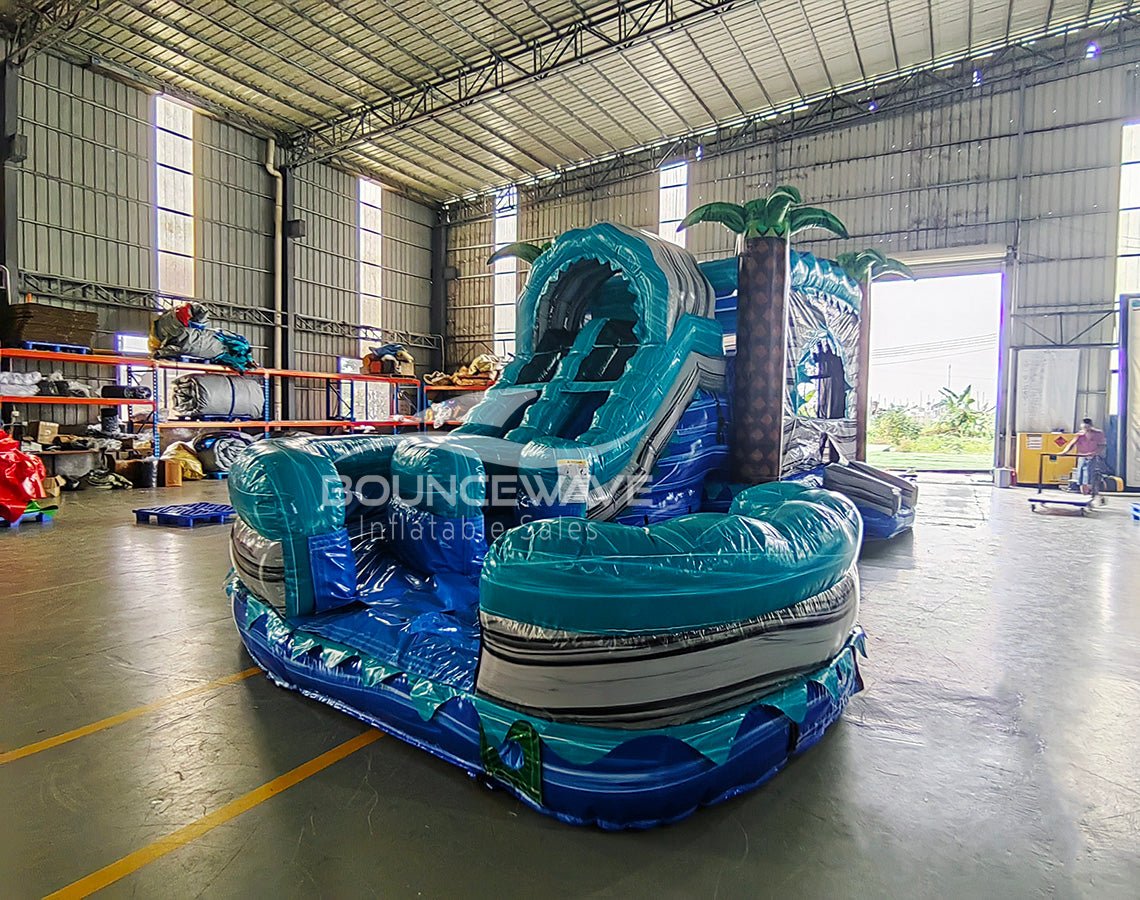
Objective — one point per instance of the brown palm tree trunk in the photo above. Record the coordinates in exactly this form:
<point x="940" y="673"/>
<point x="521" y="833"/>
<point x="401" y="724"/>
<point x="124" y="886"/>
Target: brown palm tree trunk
<point x="757" y="448"/>
<point x="863" y="384"/>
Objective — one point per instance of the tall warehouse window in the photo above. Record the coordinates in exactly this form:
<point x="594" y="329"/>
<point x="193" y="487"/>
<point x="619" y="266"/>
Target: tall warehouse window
<point x="673" y="202"/>
<point x="174" y="176"/>
<point x="506" y="270"/>
<point x="371" y="265"/>
<point x="1128" y="241"/>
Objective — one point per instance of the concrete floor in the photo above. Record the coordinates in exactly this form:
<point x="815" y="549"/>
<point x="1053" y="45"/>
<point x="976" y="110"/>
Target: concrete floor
<point x="994" y="753"/>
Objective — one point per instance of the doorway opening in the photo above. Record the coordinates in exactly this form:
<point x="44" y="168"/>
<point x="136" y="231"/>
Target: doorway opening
<point x="934" y="373"/>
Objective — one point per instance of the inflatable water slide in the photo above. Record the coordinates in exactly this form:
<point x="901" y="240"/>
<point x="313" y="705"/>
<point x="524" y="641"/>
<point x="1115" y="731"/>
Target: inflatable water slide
<point x="567" y="596"/>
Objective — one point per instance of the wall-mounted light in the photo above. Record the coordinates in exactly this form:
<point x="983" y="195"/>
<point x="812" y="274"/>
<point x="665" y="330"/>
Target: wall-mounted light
<point x="976" y="79"/>
<point x="873" y="106"/>
<point x="1092" y="51"/>
<point x="15" y="148"/>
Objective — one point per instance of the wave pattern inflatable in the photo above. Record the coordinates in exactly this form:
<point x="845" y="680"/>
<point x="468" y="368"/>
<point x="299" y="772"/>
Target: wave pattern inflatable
<point x="543" y="597"/>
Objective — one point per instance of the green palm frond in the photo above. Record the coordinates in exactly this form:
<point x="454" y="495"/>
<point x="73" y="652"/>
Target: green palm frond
<point x="756" y="218"/>
<point x="892" y="267"/>
<point x="869" y="264"/>
<point x="525" y="251"/>
<point x="800" y="218"/>
<point x="730" y="215"/>
<point x="780" y="214"/>
<point x="853" y="264"/>
<point x="778" y="207"/>
<point x="787" y="190"/>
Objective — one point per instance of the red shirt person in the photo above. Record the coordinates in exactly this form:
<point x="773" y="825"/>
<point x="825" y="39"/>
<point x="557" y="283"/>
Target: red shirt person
<point x="1090" y="445"/>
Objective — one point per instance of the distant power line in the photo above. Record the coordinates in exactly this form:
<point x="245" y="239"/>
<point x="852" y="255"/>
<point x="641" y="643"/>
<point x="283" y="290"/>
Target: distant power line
<point x="933" y="349"/>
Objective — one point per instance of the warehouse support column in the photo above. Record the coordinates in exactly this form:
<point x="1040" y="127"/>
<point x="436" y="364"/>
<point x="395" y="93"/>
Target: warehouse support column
<point x="13" y="151"/>
<point x="438" y="320"/>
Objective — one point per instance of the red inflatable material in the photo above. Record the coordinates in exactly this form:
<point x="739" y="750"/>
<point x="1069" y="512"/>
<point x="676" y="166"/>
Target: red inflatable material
<point x="21" y="479"/>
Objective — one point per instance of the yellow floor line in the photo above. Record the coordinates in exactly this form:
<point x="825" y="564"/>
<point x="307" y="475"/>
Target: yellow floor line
<point x="108" y="875"/>
<point x="111" y="721"/>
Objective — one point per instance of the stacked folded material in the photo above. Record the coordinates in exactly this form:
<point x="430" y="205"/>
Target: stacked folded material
<point x="219" y="450"/>
<point x="48" y="324"/>
<point x="871" y="487"/>
<point x="185" y="332"/>
<point x="20" y="384"/>
<point x="125" y="391"/>
<point x="218" y="396"/>
<point x="389" y="359"/>
<point x="480" y="372"/>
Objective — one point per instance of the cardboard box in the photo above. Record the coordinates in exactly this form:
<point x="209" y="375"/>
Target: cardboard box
<point x="43" y="432"/>
<point x="52" y="486"/>
<point x="169" y="473"/>
<point x="130" y="469"/>
<point x="395" y="367"/>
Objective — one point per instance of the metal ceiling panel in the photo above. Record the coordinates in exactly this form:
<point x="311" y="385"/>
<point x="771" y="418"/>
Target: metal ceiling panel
<point x="447" y="97"/>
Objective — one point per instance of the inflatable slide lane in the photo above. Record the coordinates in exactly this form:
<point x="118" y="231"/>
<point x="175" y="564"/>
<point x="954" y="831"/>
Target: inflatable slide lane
<point x="539" y="597"/>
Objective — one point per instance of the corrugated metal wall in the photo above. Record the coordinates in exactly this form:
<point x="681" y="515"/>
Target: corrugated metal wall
<point x="406" y="278"/>
<point x="86" y="208"/>
<point x="1036" y="169"/>
<point x="325" y="275"/>
<point x="87" y="214"/>
<point x="470" y="296"/>
<point x="234" y="225"/>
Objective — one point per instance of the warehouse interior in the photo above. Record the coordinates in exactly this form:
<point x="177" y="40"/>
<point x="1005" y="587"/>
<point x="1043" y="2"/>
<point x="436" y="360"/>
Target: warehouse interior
<point x="238" y="237"/>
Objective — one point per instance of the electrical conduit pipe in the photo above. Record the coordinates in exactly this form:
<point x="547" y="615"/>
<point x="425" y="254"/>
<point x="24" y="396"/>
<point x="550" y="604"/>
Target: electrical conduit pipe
<point x="278" y="255"/>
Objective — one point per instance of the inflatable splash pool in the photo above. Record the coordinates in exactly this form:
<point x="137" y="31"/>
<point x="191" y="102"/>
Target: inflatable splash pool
<point x="543" y="596"/>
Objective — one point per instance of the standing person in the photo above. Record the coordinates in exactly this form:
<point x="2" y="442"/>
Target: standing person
<point x="1089" y="445"/>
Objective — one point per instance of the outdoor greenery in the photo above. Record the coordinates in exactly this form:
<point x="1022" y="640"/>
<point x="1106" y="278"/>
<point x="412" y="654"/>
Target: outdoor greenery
<point x="781" y="214"/>
<point x="954" y="432"/>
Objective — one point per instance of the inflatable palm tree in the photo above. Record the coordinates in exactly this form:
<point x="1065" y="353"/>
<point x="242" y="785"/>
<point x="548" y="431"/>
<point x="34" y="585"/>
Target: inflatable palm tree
<point x="865" y="266"/>
<point x="764" y="227"/>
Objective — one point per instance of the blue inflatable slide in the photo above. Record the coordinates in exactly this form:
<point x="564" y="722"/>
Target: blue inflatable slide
<point x="567" y="596"/>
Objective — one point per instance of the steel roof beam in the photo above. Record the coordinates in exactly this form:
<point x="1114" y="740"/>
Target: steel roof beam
<point x="208" y="66"/>
<point x="1038" y="57"/>
<point x="243" y="38"/>
<point x="616" y="28"/>
<point x="47" y="25"/>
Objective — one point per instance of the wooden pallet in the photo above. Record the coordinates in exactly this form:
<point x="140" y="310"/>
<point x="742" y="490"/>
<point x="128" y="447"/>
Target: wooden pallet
<point x="185" y="515"/>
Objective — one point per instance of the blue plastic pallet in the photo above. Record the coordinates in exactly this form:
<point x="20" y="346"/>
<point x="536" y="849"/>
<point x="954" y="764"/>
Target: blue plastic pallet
<point x="42" y="516"/>
<point x="185" y="515"/>
<point x="54" y="348"/>
<point x="218" y="476"/>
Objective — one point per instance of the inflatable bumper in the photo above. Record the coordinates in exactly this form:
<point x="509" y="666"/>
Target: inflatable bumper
<point x="612" y="778"/>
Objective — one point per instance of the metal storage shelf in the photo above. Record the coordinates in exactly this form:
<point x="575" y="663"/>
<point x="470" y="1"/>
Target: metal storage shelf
<point x="75" y="401"/>
<point x="337" y="385"/>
